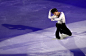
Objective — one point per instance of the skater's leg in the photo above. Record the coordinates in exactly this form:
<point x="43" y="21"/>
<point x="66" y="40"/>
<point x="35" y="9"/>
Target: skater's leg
<point x="57" y="31"/>
<point x="61" y="31"/>
<point x="65" y="30"/>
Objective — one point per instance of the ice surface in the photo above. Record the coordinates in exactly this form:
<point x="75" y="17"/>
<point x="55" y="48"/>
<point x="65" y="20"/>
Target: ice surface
<point x="41" y="42"/>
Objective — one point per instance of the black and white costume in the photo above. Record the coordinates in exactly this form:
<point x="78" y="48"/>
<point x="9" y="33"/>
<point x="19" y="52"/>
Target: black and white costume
<point x="61" y="27"/>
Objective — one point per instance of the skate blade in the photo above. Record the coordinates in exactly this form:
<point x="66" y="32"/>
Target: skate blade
<point x="56" y="39"/>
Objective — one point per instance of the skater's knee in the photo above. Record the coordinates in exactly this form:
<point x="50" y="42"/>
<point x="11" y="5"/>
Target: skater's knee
<point x="70" y="34"/>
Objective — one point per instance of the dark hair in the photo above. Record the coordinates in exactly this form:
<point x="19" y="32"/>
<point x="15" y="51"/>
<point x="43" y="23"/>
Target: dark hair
<point x="54" y="10"/>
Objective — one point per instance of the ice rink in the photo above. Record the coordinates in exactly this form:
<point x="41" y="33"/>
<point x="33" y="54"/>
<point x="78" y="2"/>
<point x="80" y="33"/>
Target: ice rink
<point x="25" y="29"/>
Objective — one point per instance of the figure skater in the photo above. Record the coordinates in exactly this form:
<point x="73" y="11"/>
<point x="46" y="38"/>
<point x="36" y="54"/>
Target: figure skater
<point x="60" y="25"/>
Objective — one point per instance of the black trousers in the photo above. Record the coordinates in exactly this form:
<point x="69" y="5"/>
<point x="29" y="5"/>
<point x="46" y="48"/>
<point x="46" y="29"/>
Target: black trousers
<point x="62" y="28"/>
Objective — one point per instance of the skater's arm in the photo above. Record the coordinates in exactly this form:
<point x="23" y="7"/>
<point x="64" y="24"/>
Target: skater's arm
<point x="55" y="19"/>
<point x="49" y="15"/>
<point x="62" y="16"/>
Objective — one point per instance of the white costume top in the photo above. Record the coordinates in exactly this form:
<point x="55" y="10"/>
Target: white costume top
<point x="60" y="19"/>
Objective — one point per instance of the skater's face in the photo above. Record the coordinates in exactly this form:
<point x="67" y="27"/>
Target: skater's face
<point x="56" y="13"/>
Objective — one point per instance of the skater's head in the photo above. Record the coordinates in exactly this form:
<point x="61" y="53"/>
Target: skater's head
<point x="55" y="11"/>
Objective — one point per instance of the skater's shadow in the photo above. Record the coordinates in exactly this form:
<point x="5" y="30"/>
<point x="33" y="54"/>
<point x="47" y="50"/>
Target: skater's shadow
<point x="20" y="27"/>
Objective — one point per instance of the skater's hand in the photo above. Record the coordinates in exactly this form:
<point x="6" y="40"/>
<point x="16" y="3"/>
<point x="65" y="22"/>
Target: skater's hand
<point x="50" y="10"/>
<point x="51" y="19"/>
